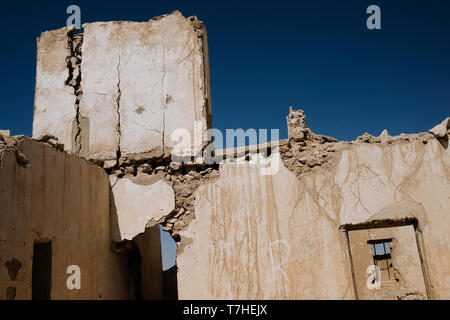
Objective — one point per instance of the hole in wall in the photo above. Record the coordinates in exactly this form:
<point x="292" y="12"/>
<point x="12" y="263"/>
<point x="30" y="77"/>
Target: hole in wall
<point x="168" y="250"/>
<point x="169" y="266"/>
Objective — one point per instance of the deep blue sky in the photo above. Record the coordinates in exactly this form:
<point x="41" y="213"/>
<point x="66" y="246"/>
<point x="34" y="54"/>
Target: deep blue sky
<point x="315" y="55"/>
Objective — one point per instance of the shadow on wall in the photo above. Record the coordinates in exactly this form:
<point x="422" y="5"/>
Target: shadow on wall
<point x="170" y="287"/>
<point x="145" y="277"/>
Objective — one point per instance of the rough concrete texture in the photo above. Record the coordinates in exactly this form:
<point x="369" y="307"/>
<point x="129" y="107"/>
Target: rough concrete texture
<point x="100" y="83"/>
<point x="54" y="105"/>
<point x="280" y="236"/>
<point x="441" y="130"/>
<point x="140" y="202"/>
<point x="171" y="187"/>
<point x="247" y="227"/>
<point x="124" y="87"/>
<point x="49" y="195"/>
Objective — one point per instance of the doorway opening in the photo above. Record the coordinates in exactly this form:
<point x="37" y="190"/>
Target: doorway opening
<point x="135" y="270"/>
<point x="42" y="271"/>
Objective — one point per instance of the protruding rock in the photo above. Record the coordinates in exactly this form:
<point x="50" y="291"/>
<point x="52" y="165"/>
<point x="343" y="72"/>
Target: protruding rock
<point x="109" y="164"/>
<point x="366" y="137"/>
<point x="296" y="122"/>
<point x="384" y="136"/>
<point x="324" y="139"/>
<point x="442" y="129"/>
<point x="145" y="168"/>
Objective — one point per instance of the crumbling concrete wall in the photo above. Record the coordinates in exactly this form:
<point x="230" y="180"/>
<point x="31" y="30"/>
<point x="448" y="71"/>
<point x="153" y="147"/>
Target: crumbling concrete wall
<point x="54" y="103"/>
<point x="49" y="195"/>
<point x="115" y="95"/>
<point x="139" y="202"/>
<point x="280" y="236"/>
<point x="123" y="88"/>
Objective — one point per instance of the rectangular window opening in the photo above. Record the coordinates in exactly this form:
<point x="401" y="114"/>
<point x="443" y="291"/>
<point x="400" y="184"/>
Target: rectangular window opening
<point x="381" y="254"/>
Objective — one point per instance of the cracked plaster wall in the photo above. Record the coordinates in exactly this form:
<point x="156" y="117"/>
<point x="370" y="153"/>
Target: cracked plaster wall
<point x="139" y="83"/>
<point x="140" y="202"/>
<point x="276" y="237"/>
<point x="115" y="94"/>
<point x="54" y="104"/>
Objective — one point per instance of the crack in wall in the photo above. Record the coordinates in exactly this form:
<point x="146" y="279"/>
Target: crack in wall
<point x="75" y="41"/>
<point x="119" y="96"/>
<point x="184" y="180"/>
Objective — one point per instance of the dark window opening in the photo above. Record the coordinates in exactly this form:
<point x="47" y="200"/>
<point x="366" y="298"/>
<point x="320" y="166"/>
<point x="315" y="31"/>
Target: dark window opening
<point x="41" y="271"/>
<point x="381" y="254"/>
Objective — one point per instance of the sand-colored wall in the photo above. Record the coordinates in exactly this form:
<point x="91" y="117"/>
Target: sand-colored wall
<point x="66" y="200"/>
<point x="277" y="237"/>
<point x="140" y="82"/>
<point x="149" y="244"/>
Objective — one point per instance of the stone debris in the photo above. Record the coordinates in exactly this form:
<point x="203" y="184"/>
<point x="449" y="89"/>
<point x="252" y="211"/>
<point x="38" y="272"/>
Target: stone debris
<point x="304" y="150"/>
<point x="51" y="141"/>
<point x="366" y="138"/>
<point x="184" y="179"/>
<point x="297" y="128"/>
<point x="185" y="182"/>
<point x="441" y="130"/>
<point x="9" y="144"/>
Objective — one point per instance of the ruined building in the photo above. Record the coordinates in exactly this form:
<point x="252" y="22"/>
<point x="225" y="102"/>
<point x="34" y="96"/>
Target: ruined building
<point x="365" y="219"/>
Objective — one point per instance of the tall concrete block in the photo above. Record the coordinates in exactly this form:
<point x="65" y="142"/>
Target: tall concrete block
<point x="139" y="83"/>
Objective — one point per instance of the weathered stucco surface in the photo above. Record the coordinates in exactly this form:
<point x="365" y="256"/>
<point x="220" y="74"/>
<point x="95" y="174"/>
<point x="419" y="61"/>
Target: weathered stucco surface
<point x="139" y="202"/>
<point x="278" y="236"/>
<point x="54" y="105"/>
<point x="100" y="83"/>
<point x="139" y="83"/>
<point x="60" y="198"/>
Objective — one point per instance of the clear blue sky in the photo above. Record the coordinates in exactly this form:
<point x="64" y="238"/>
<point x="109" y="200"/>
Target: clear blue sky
<point x="315" y="55"/>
